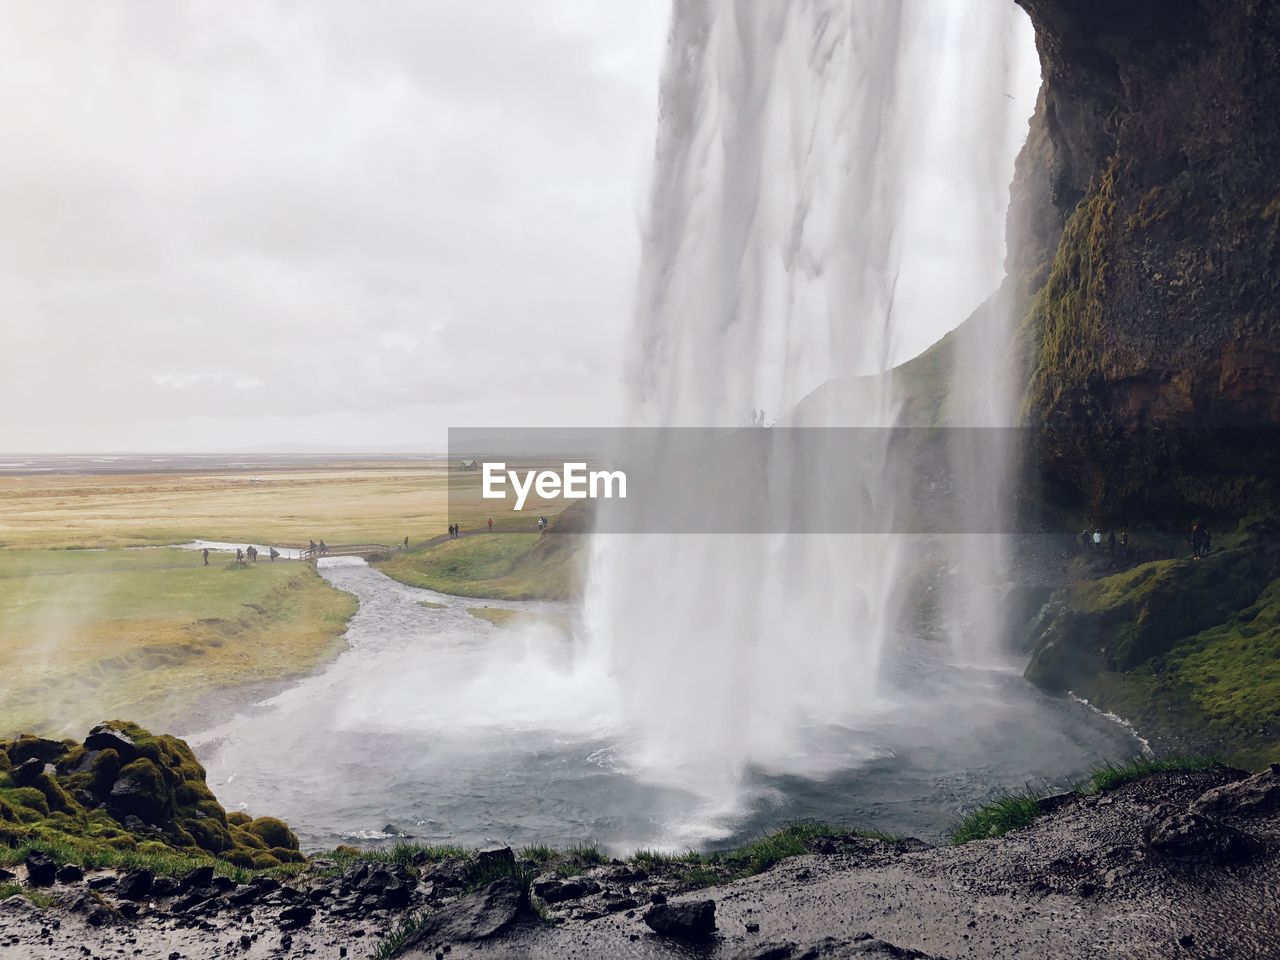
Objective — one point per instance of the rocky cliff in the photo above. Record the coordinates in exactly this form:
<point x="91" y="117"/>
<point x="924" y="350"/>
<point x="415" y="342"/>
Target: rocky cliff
<point x="1145" y="239"/>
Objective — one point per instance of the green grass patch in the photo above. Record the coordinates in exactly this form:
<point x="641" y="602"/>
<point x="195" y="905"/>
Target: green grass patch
<point x="431" y="604"/>
<point x="696" y="870"/>
<point x="36" y="897"/>
<point x="1011" y="812"/>
<point x="498" y="566"/>
<point x="482" y="874"/>
<point x="1017" y="809"/>
<point x="404" y="854"/>
<point x="398" y="936"/>
<point x="86" y="634"/>
<point x="538" y="854"/>
<point x="1112" y="775"/>
<point x="161" y="863"/>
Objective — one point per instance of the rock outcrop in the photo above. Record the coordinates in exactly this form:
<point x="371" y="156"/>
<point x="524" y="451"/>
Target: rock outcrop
<point x="1185" y="649"/>
<point x="125" y="789"/>
<point x="1145" y="239"/>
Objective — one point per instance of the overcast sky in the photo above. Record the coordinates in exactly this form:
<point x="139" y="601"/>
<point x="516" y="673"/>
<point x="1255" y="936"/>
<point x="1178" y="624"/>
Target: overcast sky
<point x="349" y="225"/>
<point x="342" y="223"/>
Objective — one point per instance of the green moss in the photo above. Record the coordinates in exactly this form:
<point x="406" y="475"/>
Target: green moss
<point x="273" y="833"/>
<point x="1065" y="323"/>
<point x="167" y="788"/>
<point x="1232" y="673"/>
<point x="1187" y="650"/>
<point x="26" y="802"/>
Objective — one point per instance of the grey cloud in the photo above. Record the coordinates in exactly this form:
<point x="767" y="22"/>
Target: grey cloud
<point x="216" y="224"/>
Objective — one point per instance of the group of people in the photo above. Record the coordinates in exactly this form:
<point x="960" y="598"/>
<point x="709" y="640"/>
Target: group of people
<point x="249" y="553"/>
<point x="455" y="531"/>
<point x="1095" y="541"/>
<point x="1201" y="541"/>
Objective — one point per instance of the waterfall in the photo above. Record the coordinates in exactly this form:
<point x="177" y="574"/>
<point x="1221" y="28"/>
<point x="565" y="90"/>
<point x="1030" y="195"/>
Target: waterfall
<point x="830" y="179"/>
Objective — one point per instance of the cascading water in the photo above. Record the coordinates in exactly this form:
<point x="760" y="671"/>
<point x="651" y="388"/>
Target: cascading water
<point x="830" y="175"/>
<point x="830" y="180"/>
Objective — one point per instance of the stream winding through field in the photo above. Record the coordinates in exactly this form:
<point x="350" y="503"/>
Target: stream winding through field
<point x="437" y="724"/>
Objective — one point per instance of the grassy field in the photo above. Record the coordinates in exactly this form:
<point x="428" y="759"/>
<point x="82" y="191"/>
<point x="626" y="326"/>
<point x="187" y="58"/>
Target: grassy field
<point x="500" y="566"/>
<point x="147" y="633"/>
<point x="339" y="503"/>
<point x="90" y="629"/>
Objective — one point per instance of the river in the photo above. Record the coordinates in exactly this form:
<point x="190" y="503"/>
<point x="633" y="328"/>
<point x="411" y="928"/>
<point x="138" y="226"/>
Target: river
<point x="437" y="724"/>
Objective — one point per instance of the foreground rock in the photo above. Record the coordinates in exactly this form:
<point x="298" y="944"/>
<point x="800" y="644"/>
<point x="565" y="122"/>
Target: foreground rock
<point x="1177" y="865"/>
<point x="125" y="789"/>
<point x="693" y="920"/>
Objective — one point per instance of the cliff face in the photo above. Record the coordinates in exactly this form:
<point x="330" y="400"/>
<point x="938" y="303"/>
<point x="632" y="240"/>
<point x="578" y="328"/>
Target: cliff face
<point x="1145" y="239"/>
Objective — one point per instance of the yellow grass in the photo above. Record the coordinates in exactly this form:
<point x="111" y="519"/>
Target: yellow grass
<point x="338" y="503"/>
<point x="148" y="634"/>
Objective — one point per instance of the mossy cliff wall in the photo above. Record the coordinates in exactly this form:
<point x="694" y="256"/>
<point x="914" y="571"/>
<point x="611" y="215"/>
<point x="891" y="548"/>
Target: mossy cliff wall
<point x="1144" y="239"/>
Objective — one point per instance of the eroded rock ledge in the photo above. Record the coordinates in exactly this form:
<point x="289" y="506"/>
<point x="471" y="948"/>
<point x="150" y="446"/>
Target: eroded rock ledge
<point x="1176" y="863"/>
<point x="1145" y="239"/>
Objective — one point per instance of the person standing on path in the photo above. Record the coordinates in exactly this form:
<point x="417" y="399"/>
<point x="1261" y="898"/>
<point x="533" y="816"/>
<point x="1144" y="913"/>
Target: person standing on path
<point x="491" y="524"/>
<point x="205" y="554"/>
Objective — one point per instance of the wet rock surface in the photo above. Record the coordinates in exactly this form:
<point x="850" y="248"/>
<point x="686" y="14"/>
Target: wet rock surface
<point x="1179" y="864"/>
<point x="693" y="920"/>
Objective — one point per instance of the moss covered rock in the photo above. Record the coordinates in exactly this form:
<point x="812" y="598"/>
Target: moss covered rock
<point x="273" y="832"/>
<point x="125" y="788"/>
<point x="1189" y="650"/>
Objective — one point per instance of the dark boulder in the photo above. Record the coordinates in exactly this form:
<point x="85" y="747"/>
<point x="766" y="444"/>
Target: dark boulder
<point x="30" y="772"/>
<point x="106" y="737"/>
<point x="691" y="920"/>
<point x="140" y="791"/>
<point x="1197" y="838"/>
<point x="488" y="913"/>
<point x="38" y="748"/>
<point x="164" y="887"/>
<point x="70" y="873"/>
<point x="1259" y="794"/>
<point x="295" y="917"/>
<point x="41" y="870"/>
<point x="552" y="889"/>
<point x="198" y="877"/>
<point x="136" y="884"/>
<point x="493" y="857"/>
<point x="450" y="874"/>
<point x="243" y="896"/>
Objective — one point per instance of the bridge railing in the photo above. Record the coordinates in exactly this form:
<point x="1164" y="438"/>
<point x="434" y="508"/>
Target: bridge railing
<point x="343" y="550"/>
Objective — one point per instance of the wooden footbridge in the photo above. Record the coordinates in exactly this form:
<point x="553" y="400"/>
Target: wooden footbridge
<point x="365" y="550"/>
